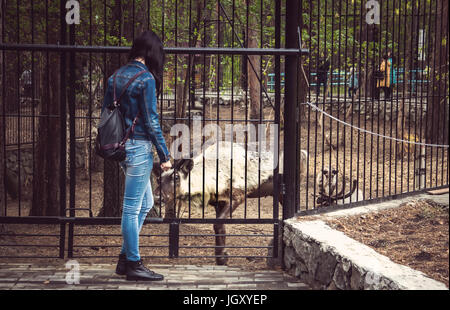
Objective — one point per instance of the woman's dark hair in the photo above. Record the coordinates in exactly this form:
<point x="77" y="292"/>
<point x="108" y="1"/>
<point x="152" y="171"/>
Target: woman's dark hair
<point x="149" y="46"/>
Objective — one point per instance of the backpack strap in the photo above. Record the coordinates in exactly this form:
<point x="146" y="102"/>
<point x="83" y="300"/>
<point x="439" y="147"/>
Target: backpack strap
<point x="117" y="100"/>
<point x="117" y="103"/>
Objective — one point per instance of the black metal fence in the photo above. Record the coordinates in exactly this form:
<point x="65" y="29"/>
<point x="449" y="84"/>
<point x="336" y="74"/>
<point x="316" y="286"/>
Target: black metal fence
<point x="377" y="113"/>
<point x="228" y="63"/>
<point x="218" y="56"/>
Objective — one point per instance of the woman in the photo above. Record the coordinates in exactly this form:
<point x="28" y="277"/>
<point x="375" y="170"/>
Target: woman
<point x="352" y="83"/>
<point x="393" y="76"/>
<point x="385" y="82"/>
<point x="322" y="76"/>
<point x="146" y="54"/>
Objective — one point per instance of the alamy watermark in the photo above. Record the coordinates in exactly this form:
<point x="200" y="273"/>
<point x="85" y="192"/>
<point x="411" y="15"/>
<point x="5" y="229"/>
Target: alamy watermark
<point x="73" y="13"/>
<point x="373" y="15"/>
<point x="73" y="275"/>
<point x="258" y="138"/>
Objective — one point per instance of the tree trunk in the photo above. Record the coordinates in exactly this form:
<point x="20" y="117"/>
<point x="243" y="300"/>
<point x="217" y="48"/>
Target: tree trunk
<point x="253" y="69"/>
<point x="113" y="177"/>
<point x="201" y="14"/>
<point x="183" y="89"/>
<point x="437" y="129"/>
<point x="2" y="133"/>
<point x="47" y="167"/>
<point x="46" y="185"/>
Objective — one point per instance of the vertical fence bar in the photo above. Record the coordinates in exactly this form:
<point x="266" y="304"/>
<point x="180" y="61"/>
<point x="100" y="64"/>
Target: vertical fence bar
<point x="72" y="163"/>
<point x="298" y="95"/>
<point x="316" y="114"/>
<point x="174" y="237"/>
<point x="246" y="61"/>
<point x="276" y="177"/>
<point x="62" y="115"/>
<point x="3" y="130"/>
<point x="19" y="114"/>
<point x="89" y="155"/>
<point x="203" y="111"/>
<point x="446" y="107"/>
<point x="290" y="111"/>
<point x="440" y="65"/>
<point x="33" y="98"/>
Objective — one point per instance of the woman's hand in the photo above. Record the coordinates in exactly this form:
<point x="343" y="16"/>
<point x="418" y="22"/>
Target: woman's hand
<point x="166" y="166"/>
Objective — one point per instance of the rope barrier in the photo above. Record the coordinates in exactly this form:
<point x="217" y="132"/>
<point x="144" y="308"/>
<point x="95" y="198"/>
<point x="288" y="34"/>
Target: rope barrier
<point x="316" y="108"/>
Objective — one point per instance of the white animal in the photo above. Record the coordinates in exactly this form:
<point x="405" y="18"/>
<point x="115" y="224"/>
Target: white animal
<point x="224" y="172"/>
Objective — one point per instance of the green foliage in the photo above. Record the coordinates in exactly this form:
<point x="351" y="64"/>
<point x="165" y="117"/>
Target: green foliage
<point x="331" y="27"/>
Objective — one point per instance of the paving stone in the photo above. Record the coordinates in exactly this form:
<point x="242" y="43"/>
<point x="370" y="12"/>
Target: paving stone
<point x="131" y="287"/>
<point x="218" y="287"/>
<point x="185" y="277"/>
<point x="247" y="286"/>
<point x="299" y="285"/>
<point x="4" y="286"/>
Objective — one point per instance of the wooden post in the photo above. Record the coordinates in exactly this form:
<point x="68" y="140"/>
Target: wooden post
<point x="419" y="174"/>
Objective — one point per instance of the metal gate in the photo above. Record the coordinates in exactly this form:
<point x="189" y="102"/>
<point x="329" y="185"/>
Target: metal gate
<point x="229" y="62"/>
<point x="224" y="66"/>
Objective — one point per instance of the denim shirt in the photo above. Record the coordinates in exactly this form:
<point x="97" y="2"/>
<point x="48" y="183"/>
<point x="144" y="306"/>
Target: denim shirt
<point x="353" y="81"/>
<point x="140" y="96"/>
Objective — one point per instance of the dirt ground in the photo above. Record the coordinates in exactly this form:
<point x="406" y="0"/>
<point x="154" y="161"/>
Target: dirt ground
<point x="370" y="160"/>
<point x="247" y="244"/>
<point x="416" y="234"/>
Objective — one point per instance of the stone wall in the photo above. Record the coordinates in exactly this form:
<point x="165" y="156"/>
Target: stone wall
<point x="328" y="259"/>
<point x="26" y="164"/>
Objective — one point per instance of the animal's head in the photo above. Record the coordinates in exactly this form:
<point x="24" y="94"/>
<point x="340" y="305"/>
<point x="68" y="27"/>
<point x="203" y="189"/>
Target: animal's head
<point x="326" y="181"/>
<point x="171" y="183"/>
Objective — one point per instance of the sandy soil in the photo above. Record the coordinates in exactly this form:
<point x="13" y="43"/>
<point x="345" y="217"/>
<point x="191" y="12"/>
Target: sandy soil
<point x="371" y="161"/>
<point x="416" y="234"/>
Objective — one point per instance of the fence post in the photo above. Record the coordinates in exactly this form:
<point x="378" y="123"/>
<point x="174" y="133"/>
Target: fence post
<point x="63" y="163"/>
<point x="420" y="169"/>
<point x="174" y="238"/>
<point x="72" y="140"/>
<point x="290" y="111"/>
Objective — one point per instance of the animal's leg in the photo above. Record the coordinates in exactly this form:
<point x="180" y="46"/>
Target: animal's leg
<point x="220" y="232"/>
<point x="222" y="212"/>
<point x="170" y="208"/>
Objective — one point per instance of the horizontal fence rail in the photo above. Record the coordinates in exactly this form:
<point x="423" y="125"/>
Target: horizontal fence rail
<point x="212" y="57"/>
<point x="357" y="105"/>
<point x="168" y="50"/>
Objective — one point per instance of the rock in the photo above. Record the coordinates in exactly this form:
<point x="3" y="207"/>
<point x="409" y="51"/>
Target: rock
<point x="357" y="279"/>
<point x="289" y="257"/>
<point x="300" y="269"/>
<point x="325" y="268"/>
<point x="332" y="287"/>
<point x="327" y="259"/>
<point x="341" y="277"/>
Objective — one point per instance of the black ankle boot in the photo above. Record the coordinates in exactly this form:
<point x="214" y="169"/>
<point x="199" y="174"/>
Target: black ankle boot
<point x="121" y="268"/>
<point x="136" y="271"/>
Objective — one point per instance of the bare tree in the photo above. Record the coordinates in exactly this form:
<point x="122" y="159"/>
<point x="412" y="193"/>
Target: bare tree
<point x="436" y="110"/>
<point x="114" y="179"/>
<point x="47" y="170"/>
<point x="2" y="132"/>
<point x="253" y="66"/>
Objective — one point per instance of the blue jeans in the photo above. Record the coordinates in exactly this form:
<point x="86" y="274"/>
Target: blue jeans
<point x="138" y="196"/>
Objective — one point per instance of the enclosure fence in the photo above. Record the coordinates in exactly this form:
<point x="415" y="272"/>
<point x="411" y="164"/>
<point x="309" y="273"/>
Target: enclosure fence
<point x="354" y="93"/>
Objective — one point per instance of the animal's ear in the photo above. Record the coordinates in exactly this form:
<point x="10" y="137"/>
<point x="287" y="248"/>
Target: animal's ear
<point x="186" y="165"/>
<point x="157" y="168"/>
